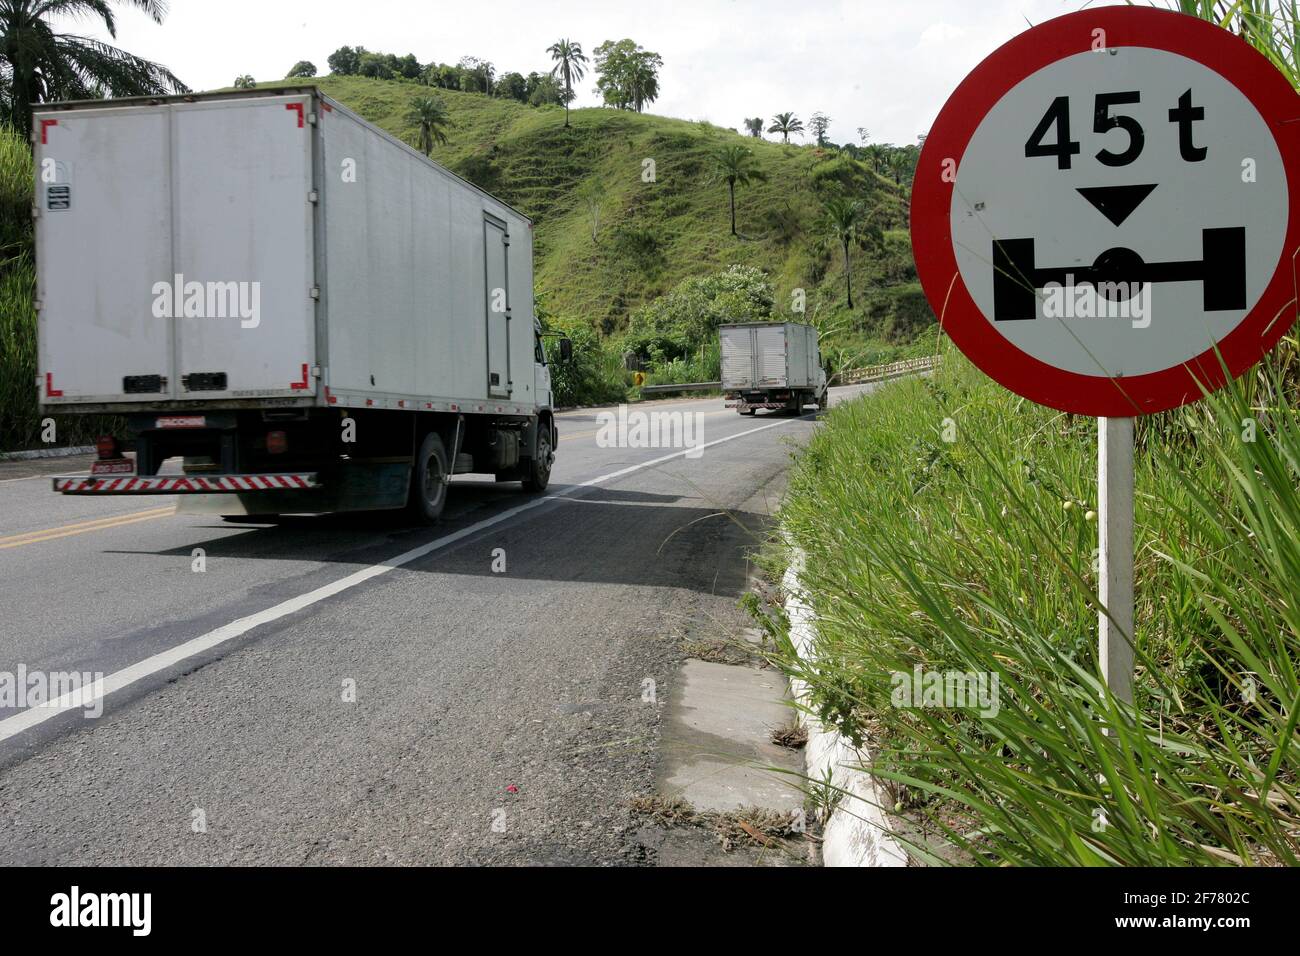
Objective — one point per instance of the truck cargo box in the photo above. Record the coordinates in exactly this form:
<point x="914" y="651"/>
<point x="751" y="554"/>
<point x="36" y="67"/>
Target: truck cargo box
<point x="768" y="355"/>
<point x="270" y="249"/>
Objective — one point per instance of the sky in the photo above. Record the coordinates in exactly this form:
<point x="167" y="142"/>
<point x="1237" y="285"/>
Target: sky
<point x="883" y="66"/>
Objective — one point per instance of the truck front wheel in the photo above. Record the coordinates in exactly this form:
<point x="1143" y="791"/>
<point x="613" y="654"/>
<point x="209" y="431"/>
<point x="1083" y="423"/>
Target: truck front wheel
<point x="429" y="479"/>
<point x="539" y="469"/>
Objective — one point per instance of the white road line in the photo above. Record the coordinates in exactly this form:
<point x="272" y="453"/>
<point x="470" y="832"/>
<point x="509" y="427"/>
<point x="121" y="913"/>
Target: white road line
<point x="83" y="698"/>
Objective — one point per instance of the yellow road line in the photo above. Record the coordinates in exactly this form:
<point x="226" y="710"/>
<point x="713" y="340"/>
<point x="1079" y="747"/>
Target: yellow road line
<point x="82" y="527"/>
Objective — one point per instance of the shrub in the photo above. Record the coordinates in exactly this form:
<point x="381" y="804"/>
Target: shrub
<point x="676" y="325"/>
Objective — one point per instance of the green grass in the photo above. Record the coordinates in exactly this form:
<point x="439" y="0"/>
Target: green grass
<point x="977" y="555"/>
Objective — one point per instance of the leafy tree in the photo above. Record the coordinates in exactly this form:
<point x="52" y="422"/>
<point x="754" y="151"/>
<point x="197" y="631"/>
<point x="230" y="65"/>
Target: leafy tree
<point x="513" y="86"/>
<point x="345" y="61"/>
<point x="303" y="68"/>
<point x="735" y="166"/>
<point x="407" y="67"/>
<point x="845" y="222"/>
<point x="627" y="75"/>
<point x="429" y="114"/>
<point x="819" y="125"/>
<point x="38" y="65"/>
<point x="245" y="82"/>
<point x="376" y="66"/>
<point x="476" y="76"/>
<point x="863" y="135"/>
<point x="754" y="126"/>
<point x="643" y="81"/>
<point x="546" y="91"/>
<point x="570" y="66"/>
<point x="442" y="75"/>
<point x="785" y="124"/>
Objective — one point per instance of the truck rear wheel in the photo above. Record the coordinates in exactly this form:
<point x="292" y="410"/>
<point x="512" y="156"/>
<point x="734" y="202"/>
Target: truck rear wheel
<point x="429" y="477"/>
<point x="539" y="469"/>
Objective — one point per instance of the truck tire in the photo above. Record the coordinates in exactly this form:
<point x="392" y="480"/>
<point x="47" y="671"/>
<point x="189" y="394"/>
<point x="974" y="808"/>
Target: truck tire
<point x="823" y="401"/>
<point x="429" y="477"/>
<point x="539" y="469"/>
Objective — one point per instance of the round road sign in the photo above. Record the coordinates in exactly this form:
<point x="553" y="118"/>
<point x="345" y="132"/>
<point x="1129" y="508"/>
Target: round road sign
<point x="1105" y="201"/>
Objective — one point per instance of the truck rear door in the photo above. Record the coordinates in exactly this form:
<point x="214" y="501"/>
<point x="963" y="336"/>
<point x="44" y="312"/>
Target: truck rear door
<point x="770" y="355"/>
<point x="103" y="238"/>
<point x="738" y="369"/>
<point x="242" y="219"/>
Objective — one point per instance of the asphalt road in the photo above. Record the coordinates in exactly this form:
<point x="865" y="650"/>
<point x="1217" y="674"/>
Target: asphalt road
<point x="354" y="690"/>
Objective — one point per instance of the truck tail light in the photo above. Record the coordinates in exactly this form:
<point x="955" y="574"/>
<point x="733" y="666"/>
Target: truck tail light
<point x="106" y="447"/>
<point x="277" y="443"/>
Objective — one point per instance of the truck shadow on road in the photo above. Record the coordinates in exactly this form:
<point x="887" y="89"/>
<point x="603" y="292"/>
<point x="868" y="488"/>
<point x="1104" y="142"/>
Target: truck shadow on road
<point x="593" y="535"/>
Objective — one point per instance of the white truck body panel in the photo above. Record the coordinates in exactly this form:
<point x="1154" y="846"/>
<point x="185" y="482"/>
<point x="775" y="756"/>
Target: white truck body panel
<point x="770" y="355"/>
<point x="370" y="266"/>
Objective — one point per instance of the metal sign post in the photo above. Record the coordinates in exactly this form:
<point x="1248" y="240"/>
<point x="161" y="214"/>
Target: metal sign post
<point x="1115" y="555"/>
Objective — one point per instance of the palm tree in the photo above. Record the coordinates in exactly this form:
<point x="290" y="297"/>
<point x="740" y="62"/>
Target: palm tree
<point x="429" y="113"/>
<point x="843" y="221"/>
<point x="570" y="66"/>
<point x="735" y="166"/>
<point x="42" y="65"/>
<point x="876" y="153"/>
<point x="754" y="126"/>
<point x="898" y="164"/>
<point x="785" y="124"/>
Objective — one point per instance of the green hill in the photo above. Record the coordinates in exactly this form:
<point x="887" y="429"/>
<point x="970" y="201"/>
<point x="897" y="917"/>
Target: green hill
<point x="652" y="235"/>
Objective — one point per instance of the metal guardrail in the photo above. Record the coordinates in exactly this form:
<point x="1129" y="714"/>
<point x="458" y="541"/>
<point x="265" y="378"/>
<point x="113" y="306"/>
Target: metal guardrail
<point x="879" y="373"/>
<point x="691" y="387"/>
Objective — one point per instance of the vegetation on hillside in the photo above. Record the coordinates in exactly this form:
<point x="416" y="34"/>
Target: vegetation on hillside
<point x="626" y="207"/>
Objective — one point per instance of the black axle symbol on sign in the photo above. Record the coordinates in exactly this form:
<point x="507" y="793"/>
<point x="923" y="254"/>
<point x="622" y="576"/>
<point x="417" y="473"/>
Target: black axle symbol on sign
<point x="1221" y="272"/>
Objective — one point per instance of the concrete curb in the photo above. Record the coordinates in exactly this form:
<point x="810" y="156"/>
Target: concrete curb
<point x="46" y="453"/>
<point x="858" y="832"/>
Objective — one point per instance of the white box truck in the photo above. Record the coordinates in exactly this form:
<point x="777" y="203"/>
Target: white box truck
<point x="309" y="313"/>
<point x="774" y="365"/>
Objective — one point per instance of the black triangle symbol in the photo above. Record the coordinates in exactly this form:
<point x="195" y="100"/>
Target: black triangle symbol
<point x="1116" y="203"/>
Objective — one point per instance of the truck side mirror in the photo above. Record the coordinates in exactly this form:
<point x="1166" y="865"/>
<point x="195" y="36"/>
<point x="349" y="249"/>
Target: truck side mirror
<point x="566" y="349"/>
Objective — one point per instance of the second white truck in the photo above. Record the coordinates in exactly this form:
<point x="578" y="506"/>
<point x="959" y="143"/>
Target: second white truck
<point x="771" y="365"/>
<point x="308" y="312"/>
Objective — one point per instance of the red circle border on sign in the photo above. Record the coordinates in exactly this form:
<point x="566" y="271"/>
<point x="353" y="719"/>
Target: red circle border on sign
<point x="936" y="264"/>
